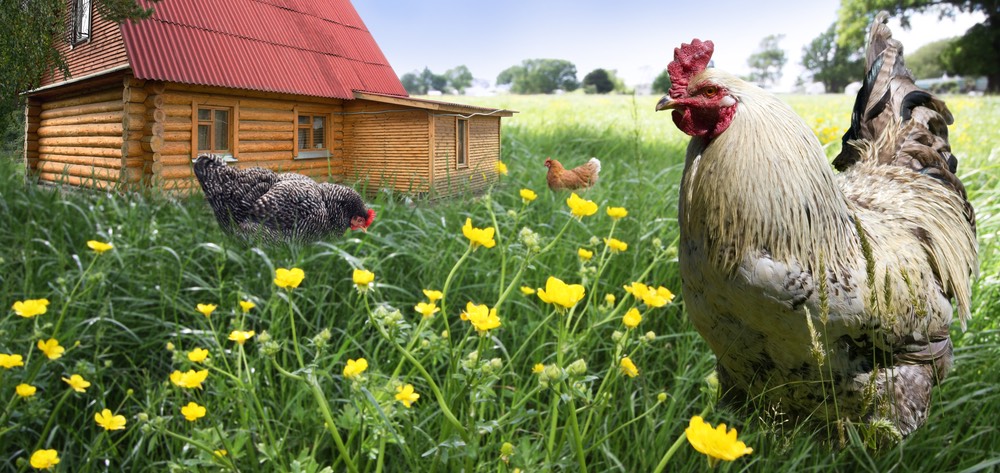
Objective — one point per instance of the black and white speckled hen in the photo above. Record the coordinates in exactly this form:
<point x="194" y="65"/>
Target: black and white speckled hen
<point x="259" y="204"/>
<point x="827" y="296"/>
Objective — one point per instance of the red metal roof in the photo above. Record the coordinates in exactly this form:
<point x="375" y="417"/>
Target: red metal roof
<point x="309" y="47"/>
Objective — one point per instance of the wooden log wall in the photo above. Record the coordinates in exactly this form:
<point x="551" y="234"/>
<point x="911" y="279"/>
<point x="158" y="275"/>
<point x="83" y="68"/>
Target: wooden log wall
<point x="84" y="140"/>
<point x="264" y="133"/>
<point x="484" y="152"/>
<point x="386" y="146"/>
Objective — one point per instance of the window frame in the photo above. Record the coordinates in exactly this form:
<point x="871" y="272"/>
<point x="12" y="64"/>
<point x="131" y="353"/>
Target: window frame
<point x="227" y="154"/>
<point x="81" y="33"/>
<point x="309" y="152"/>
<point x="461" y="143"/>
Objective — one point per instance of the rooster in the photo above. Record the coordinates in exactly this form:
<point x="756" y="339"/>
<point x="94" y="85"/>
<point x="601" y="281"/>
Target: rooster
<point x="259" y="203"/>
<point x="580" y="177"/>
<point x="827" y="296"/>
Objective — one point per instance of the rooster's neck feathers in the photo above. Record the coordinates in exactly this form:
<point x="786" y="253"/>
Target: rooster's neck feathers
<point x="735" y="184"/>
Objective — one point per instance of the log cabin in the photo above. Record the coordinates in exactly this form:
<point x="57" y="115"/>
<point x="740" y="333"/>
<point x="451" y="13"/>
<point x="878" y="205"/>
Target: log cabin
<point x="290" y="85"/>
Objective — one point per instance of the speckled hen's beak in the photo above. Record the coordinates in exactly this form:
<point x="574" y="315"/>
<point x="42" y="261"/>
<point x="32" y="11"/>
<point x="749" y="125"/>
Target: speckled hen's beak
<point x="665" y="103"/>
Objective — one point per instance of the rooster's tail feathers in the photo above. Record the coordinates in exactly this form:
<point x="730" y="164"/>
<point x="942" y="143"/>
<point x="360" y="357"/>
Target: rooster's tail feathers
<point x="890" y="103"/>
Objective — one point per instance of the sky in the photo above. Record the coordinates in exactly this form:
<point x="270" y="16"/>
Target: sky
<point x="634" y="37"/>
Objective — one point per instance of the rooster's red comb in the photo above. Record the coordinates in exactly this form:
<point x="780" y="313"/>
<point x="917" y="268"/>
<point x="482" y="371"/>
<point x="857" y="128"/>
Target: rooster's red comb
<point x="689" y="59"/>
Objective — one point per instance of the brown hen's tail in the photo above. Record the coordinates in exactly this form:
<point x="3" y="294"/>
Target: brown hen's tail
<point x="907" y="125"/>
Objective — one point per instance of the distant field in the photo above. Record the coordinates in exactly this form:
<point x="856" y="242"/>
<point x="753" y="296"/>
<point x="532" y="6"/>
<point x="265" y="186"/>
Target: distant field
<point x="544" y="391"/>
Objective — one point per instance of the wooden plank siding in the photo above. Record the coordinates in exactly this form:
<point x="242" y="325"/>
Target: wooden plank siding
<point x="387" y="146"/>
<point x="104" y="50"/>
<point x="484" y="152"/>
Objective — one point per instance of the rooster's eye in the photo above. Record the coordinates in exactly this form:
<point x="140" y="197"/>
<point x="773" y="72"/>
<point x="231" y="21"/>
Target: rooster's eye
<point x="710" y="91"/>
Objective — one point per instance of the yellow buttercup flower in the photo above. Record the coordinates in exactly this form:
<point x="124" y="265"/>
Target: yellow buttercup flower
<point x="198" y="355"/>
<point x="363" y="279"/>
<point x="432" y="295"/>
<point x="354" y="368"/>
<point x="190" y="379"/>
<point x="247" y="305"/>
<point x="580" y="207"/>
<point x="11" y="361"/>
<point x="658" y="297"/>
<point x="501" y="169"/>
<point x="584" y="254"/>
<point x="560" y="294"/>
<point x="426" y="310"/>
<point x="405" y="395"/>
<point x="25" y="390"/>
<point x="617" y="212"/>
<point x="482" y="318"/>
<point x="616" y="245"/>
<point x="478" y="236"/>
<point x="206" y="309"/>
<point x="609" y="299"/>
<point x="51" y="348"/>
<point x="31" y="307"/>
<point x="527" y="290"/>
<point x="109" y="421"/>
<point x="628" y="368"/>
<point x="288" y="278"/>
<point x="632" y="318"/>
<point x="241" y="336"/>
<point x="220" y="453"/>
<point x="665" y="294"/>
<point x="716" y="443"/>
<point x="192" y="411"/>
<point x="528" y="195"/>
<point x="99" y="246"/>
<point x="44" y="459"/>
<point x="77" y="382"/>
<point x="538" y="368"/>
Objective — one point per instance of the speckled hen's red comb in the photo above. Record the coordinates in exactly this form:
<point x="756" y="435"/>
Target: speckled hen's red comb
<point x="689" y="59"/>
<point x="371" y="218"/>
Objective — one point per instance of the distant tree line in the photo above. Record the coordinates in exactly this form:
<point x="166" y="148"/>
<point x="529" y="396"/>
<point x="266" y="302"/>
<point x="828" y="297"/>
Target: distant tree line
<point x="532" y="76"/>
<point x="453" y="81"/>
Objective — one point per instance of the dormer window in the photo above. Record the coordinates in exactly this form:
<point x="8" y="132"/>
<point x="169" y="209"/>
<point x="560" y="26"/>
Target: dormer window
<point x="81" y="21"/>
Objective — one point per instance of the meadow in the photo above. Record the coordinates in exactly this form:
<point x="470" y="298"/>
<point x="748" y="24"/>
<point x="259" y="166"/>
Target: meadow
<point x="332" y="356"/>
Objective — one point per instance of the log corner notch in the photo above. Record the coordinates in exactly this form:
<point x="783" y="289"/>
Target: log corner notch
<point x="155" y="126"/>
<point x="32" y="120"/>
<point x="134" y="127"/>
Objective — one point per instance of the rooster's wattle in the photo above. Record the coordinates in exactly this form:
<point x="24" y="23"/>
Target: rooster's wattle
<point x="826" y="296"/>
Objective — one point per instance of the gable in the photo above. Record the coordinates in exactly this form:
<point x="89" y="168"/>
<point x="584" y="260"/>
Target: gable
<point x="316" y="48"/>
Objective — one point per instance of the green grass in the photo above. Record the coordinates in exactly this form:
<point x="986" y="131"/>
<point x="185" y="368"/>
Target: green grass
<point x="120" y="310"/>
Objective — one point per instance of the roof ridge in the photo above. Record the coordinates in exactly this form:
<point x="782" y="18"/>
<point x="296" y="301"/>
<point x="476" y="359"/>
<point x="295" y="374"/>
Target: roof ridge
<point x="329" y="20"/>
<point x="260" y="40"/>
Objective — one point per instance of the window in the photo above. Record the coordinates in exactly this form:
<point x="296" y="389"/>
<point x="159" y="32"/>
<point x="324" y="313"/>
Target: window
<point x="312" y="138"/>
<point x="214" y="130"/>
<point x="462" y="143"/>
<point x="81" y="21"/>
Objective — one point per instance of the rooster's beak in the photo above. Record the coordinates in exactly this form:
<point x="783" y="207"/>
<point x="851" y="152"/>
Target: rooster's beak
<point x="665" y="103"/>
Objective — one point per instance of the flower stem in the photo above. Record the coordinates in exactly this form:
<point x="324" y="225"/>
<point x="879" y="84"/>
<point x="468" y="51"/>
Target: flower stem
<point x="331" y="427"/>
<point x="677" y="444"/>
<point x="295" y="338"/>
<point x="442" y="403"/>
<point x="578" y="440"/>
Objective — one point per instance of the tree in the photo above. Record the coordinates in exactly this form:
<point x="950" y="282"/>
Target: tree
<point x="833" y="65"/>
<point x="599" y="81"/>
<point x="930" y="60"/>
<point x="540" y="76"/>
<point x="661" y="84"/>
<point x="767" y="62"/>
<point x="426" y="81"/>
<point x="459" y="78"/>
<point x="975" y="53"/>
<point x="27" y="48"/>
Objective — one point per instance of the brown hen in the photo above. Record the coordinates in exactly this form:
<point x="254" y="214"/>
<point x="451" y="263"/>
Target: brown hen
<point x="580" y="177"/>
